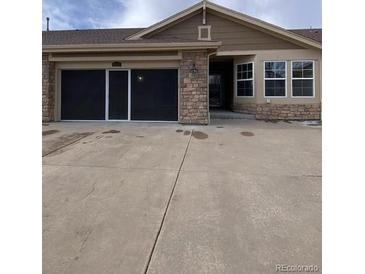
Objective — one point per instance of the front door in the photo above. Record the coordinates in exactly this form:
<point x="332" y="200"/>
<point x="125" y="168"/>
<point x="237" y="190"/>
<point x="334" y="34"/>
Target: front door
<point x="216" y="90"/>
<point x="221" y="84"/>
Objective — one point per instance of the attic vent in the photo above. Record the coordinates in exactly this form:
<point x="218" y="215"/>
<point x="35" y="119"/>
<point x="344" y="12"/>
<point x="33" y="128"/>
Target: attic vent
<point x="204" y="33"/>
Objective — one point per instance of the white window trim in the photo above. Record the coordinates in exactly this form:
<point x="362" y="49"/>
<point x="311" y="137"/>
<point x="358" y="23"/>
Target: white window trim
<point x="286" y="80"/>
<point x="243" y="80"/>
<point x="208" y="28"/>
<point x="313" y="78"/>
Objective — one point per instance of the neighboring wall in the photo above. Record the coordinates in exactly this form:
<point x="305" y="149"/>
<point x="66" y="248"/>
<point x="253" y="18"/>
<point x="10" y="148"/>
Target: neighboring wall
<point x="280" y="108"/>
<point x="234" y="36"/>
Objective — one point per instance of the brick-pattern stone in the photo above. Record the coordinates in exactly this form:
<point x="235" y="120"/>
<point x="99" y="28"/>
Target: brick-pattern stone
<point x="288" y="112"/>
<point x="280" y="111"/>
<point x="48" y="89"/>
<point x="194" y="88"/>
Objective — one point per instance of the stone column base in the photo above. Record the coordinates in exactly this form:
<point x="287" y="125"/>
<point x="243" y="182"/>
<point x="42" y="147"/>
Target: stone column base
<point x="48" y="89"/>
<point x="194" y="88"/>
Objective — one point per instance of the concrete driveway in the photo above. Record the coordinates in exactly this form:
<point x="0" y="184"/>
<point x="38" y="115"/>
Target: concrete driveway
<point x="232" y="197"/>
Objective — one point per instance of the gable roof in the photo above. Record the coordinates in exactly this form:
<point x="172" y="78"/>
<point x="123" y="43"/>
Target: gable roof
<point x="124" y="38"/>
<point x="257" y="23"/>
<point x="167" y="21"/>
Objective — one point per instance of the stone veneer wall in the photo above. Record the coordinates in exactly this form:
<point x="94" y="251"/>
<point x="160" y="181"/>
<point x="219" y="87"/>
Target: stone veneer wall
<point x="248" y="108"/>
<point x="194" y="88"/>
<point x="282" y="111"/>
<point x="288" y="112"/>
<point x="48" y="89"/>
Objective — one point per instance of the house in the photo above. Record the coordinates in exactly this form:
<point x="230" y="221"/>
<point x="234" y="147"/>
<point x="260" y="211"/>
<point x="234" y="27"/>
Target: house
<point x="204" y="58"/>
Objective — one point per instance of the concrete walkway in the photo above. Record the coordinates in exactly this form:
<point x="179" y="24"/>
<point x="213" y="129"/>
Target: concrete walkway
<point x="233" y="197"/>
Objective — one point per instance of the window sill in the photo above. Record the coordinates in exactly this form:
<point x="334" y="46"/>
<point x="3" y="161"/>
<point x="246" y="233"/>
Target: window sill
<point x="275" y="97"/>
<point x="303" y="97"/>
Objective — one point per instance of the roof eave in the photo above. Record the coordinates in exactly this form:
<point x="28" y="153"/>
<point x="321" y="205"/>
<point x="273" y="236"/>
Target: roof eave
<point x="131" y="47"/>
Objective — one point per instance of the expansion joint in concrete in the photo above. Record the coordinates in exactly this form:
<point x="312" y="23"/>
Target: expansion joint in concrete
<point x="168" y="204"/>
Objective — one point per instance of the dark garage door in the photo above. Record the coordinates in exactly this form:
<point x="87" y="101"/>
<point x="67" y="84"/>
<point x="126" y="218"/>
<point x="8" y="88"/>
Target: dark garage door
<point x="155" y="95"/>
<point x="83" y="95"/>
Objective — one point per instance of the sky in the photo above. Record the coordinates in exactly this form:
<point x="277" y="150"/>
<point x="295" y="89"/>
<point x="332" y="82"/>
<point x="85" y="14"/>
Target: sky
<point x="91" y="14"/>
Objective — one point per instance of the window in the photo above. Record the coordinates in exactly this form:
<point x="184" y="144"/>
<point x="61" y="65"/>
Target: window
<point x="275" y="79"/>
<point x="245" y="80"/>
<point x="303" y="79"/>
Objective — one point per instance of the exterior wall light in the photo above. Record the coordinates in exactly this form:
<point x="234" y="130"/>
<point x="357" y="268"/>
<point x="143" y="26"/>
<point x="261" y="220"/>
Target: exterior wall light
<point x="193" y="69"/>
<point x="140" y="78"/>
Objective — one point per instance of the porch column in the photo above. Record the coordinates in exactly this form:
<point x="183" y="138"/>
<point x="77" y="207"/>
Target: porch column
<point x="48" y="89"/>
<point x="194" y="88"/>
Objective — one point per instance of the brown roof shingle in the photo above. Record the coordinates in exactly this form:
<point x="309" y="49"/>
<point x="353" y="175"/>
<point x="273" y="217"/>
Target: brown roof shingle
<point x="116" y="36"/>
<point x="91" y="36"/>
<point x="314" y="34"/>
<point x="99" y="36"/>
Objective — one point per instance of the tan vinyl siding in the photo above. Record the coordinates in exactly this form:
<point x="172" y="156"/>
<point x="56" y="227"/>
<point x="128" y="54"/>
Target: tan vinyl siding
<point x="111" y="54"/>
<point x="186" y="29"/>
<point x="115" y="56"/>
<point x="281" y="55"/>
<point x="125" y="65"/>
<point x="233" y="35"/>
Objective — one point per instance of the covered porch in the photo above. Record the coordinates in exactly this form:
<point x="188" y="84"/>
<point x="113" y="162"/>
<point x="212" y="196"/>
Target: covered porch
<point x="231" y="84"/>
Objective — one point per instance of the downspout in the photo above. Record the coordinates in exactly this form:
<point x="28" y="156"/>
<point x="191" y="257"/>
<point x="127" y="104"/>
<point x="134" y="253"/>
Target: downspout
<point x="209" y="54"/>
<point x="320" y="98"/>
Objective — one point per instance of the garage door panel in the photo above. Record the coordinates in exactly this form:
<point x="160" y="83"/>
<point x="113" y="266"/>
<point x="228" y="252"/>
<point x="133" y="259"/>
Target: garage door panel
<point x="155" y="95"/>
<point x="83" y="95"/>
